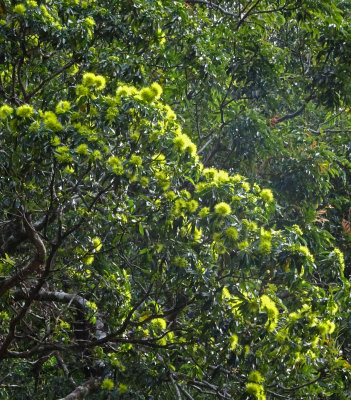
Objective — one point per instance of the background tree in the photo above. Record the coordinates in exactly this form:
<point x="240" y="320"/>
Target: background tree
<point x="130" y="269"/>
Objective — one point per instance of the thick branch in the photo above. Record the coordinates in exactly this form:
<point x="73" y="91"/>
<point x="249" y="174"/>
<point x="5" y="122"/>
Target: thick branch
<point x="186" y="393"/>
<point x="34" y="265"/>
<point x="64" y="368"/>
<point x="14" y="235"/>
<point x="68" y="298"/>
<point x="179" y="396"/>
<point x="83" y="390"/>
<point x="33" y="292"/>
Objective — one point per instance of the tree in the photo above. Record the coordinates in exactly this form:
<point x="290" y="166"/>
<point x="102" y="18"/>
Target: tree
<point x="131" y="270"/>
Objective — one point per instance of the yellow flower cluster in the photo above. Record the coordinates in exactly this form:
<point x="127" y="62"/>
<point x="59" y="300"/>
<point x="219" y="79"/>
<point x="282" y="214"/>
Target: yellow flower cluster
<point x="122" y="388"/>
<point x="24" y="111"/>
<point x="245" y="186"/>
<point x="254" y="386"/>
<point x="107" y="384"/>
<point x="158" y="324"/>
<point x="203" y="212"/>
<point x="255" y="376"/>
<point x="192" y="205"/>
<point x="125" y="91"/>
<point x="116" y="165"/>
<point x="233" y="341"/>
<point x="270" y="308"/>
<point x="326" y="327"/>
<point x="297" y="229"/>
<point x="63" y="107"/>
<point x="303" y="250"/>
<point x="55" y="141"/>
<point x="82" y="149"/>
<point x="62" y="154"/>
<point x="152" y="93"/>
<point x="31" y="3"/>
<point x="251" y="226"/>
<point x="89" y="22"/>
<point x="136" y="160"/>
<point x="256" y="390"/>
<point x="92" y="80"/>
<point x="163" y="180"/>
<point x="51" y="121"/>
<point x="217" y="176"/>
<point x="48" y="18"/>
<point x="160" y="37"/>
<point x="232" y="233"/>
<point x="5" y="111"/>
<point x="97" y="244"/>
<point x="183" y="143"/>
<point x="223" y="209"/>
<point x="88" y="259"/>
<point x="180" y="262"/>
<point x="20" y="9"/>
<point x="267" y="195"/>
<point x="243" y="245"/>
<point x="340" y="256"/>
<point x="265" y="246"/>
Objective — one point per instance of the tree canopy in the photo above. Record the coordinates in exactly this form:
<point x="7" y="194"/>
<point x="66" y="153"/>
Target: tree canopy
<point x="175" y="199"/>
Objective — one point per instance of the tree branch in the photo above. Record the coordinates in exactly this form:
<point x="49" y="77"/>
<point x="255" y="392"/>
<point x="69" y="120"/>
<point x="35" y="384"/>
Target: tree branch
<point x="48" y="79"/>
<point x="83" y="390"/>
<point x="296" y="113"/>
<point x="64" y="368"/>
<point x="33" y="292"/>
<point x="12" y="99"/>
<point x="35" y="264"/>
<point x="17" y="235"/>
<point x="69" y="298"/>
<point x="215" y="7"/>
<point x="186" y="393"/>
<point x="292" y="389"/>
<point x="174" y="383"/>
<point x="280" y="396"/>
<point x="19" y="77"/>
<point x="330" y="131"/>
<point x="247" y="14"/>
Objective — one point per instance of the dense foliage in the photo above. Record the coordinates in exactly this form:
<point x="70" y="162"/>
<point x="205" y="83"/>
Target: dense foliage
<point x="175" y="199"/>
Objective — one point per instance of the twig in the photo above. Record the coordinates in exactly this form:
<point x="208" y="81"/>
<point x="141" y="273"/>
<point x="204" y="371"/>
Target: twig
<point x="215" y="7"/>
<point x="247" y="14"/>
<point x="48" y="79"/>
<point x="280" y="396"/>
<point x="292" y="389"/>
<point x="296" y="113"/>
